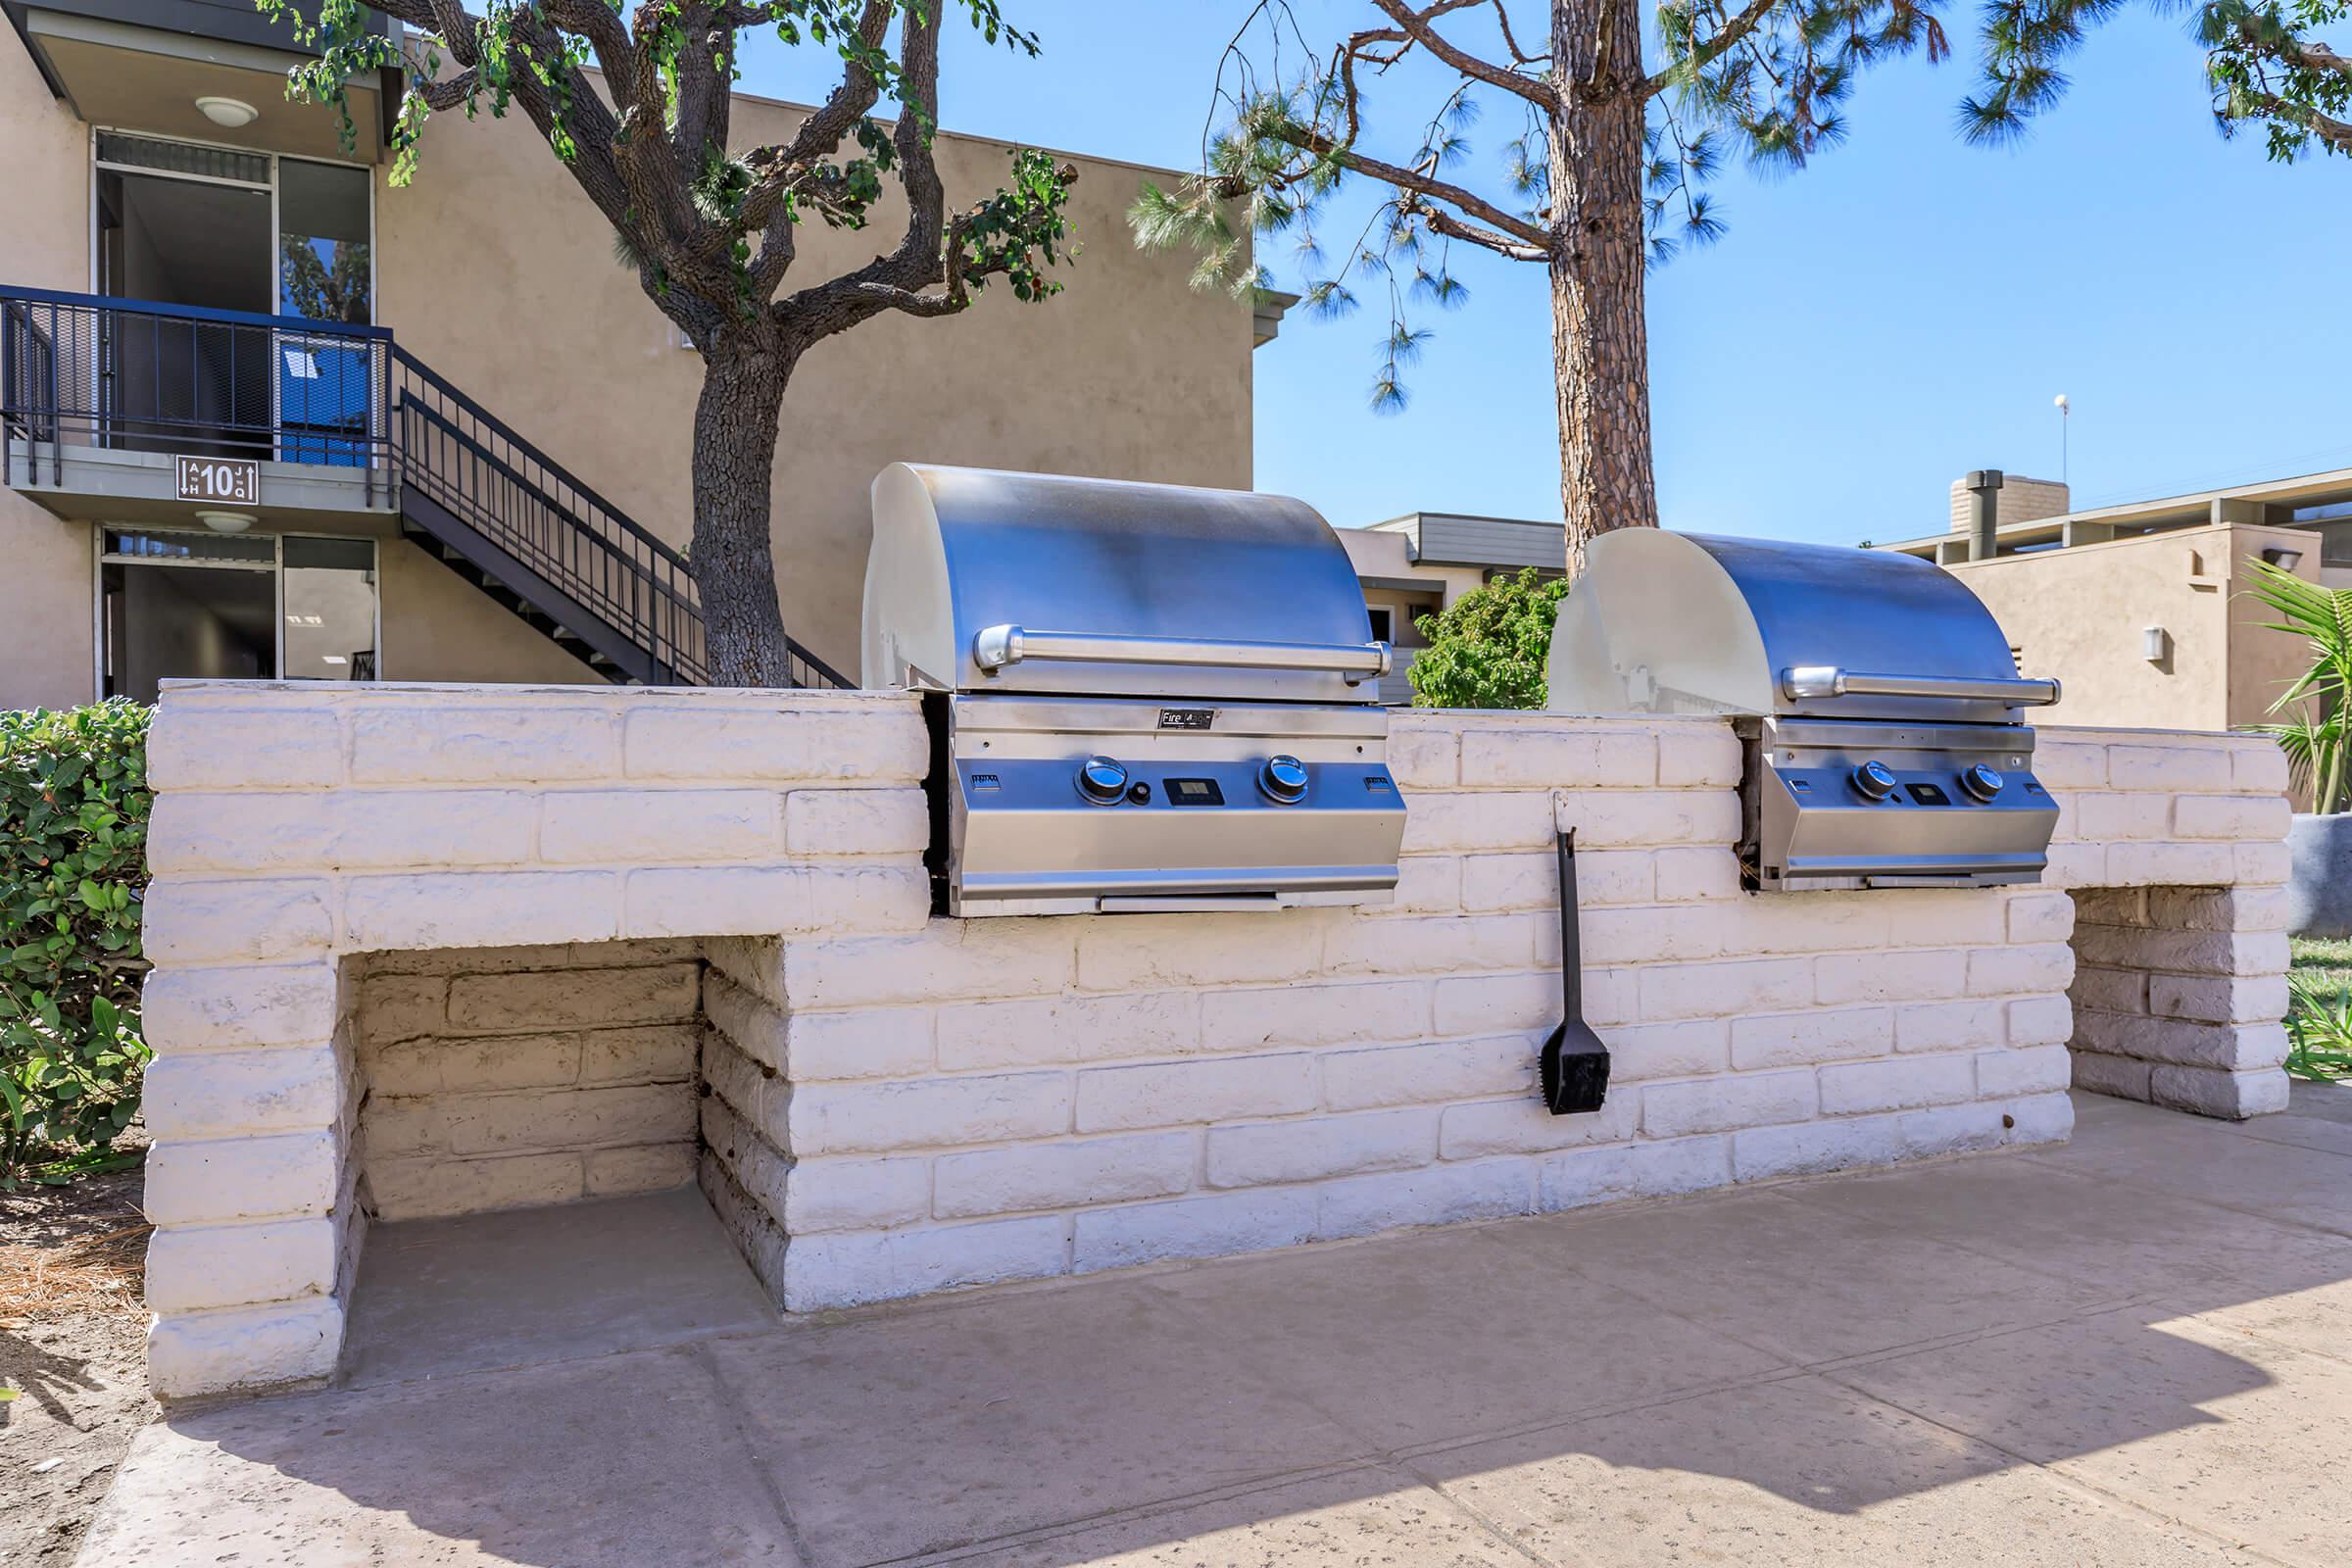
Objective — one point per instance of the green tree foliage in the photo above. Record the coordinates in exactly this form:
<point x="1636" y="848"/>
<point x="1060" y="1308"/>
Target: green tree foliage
<point x="712" y="230"/>
<point x="74" y="806"/>
<point x="2316" y="740"/>
<point x="2264" y="62"/>
<point x="1488" y="647"/>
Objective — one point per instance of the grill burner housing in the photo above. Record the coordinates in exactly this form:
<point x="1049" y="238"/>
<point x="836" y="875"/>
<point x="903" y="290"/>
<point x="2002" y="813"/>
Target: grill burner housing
<point x="1876" y="699"/>
<point x="1141" y="697"/>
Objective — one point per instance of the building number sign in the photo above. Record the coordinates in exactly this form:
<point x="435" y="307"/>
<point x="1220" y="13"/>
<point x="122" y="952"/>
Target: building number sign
<point x="236" y="480"/>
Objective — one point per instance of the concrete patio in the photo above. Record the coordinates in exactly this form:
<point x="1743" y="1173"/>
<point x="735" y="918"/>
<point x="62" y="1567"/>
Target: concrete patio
<point x="2129" y="1350"/>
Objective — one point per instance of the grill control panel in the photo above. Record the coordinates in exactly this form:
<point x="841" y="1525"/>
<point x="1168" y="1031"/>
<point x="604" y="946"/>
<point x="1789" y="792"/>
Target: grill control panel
<point x="1107" y="781"/>
<point x="1839" y="804"/>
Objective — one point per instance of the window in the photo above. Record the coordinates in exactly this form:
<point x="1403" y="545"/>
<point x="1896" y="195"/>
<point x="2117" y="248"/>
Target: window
<point x="324" y="273"/>
<point x="331" y="608"/>
<point x="177" y="605"/>
<point x="1384" y="624"/>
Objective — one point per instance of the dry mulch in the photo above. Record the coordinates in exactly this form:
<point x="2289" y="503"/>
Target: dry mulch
<point x="72" y="1346"/>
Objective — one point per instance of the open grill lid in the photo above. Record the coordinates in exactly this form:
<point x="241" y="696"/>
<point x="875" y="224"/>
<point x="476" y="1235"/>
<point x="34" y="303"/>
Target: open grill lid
<point x="983" y="582"/>
<point x="1691" y="623"/>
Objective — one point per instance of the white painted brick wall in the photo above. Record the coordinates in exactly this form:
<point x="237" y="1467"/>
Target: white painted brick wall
<point x="896" y="1105"/>
<point x="492" y="1086"/>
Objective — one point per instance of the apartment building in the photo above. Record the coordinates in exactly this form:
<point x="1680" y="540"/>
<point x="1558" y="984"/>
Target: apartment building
<point x="263" y="414"/>
<point x="2142" y="609"/>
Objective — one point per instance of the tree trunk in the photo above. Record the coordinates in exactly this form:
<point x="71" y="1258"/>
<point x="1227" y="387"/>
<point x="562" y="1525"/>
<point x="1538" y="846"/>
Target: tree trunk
<point x="734" y="472"/>
<point x="1599" y="340"/>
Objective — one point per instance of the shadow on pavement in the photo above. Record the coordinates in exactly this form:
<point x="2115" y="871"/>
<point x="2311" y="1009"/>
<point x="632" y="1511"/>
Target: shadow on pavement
<point x="2002" y="1359"/>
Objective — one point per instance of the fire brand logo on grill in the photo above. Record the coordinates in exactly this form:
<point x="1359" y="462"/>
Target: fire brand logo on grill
<point x="1187" y="717"/>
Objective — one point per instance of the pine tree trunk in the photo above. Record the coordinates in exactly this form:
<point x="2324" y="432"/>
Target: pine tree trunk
<point x="734" y="472"/>
<point x="1599" y="340"/>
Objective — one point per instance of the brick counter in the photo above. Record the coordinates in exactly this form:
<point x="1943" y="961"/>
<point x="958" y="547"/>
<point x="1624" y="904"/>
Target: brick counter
<point x="890" y="1104"/>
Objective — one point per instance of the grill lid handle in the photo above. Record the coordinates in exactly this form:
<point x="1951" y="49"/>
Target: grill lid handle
<point x="996" y="647"/>
<point x="1828" y="680"/>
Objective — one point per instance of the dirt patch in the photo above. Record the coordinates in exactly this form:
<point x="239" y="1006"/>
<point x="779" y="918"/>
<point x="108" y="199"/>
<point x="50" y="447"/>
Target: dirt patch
<point x="73" y="1345"/>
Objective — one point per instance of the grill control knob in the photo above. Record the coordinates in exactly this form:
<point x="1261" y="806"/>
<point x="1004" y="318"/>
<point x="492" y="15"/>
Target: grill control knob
<point x="1102" y="780"/>
<point x="1981" y="781"/>
<point x="1283" y="780"/>
<point x="1874" y="781"/>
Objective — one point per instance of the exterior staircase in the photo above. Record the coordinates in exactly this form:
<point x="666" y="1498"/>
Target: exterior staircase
<point x="90" y="372"/>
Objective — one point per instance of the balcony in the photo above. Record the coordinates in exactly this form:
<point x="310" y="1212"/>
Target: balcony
<point x="102" y="402"/>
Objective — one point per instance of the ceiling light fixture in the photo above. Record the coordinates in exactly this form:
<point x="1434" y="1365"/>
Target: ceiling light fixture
<point x="229" y="114"/>
<point x="225" y="521"/>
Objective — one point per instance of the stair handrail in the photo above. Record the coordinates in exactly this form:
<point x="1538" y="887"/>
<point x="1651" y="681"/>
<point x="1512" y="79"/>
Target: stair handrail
<point x="659" y="637"/>
<point x="677" y="656"/>
<point x="506" y="433"/>
<point x="663" y="552"/>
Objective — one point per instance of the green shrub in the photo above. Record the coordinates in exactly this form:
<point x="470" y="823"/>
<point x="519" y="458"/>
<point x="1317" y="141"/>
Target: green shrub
<point x="73" y="805"/>
<point x="1486" y="649"/>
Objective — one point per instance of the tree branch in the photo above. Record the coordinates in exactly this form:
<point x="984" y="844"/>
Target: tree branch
<point x="776" y="170"/>
<point x="1502" y="21"/>
<point x="1421" y="25"/>
<point x="893" y="282"/>
<point x="1452" y="227"/>
<point x="2318" y="57"/>
<point x="1701" y="56"/>
<point x="705" y="86"/>
<point x="448" y="92"/>
<point x="1413" y="180"/>
<point x="2334" y="132"/>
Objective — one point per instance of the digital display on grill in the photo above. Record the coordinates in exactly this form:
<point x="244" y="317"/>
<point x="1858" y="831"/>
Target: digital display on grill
<point x="1928" y="794"/>
<point x="1194" y="792"/>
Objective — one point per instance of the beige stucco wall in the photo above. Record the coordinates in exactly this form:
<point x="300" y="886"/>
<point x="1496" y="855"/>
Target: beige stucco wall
<point x="2077" y="614"/>
<point x="45" y="639"/>
<point x="2263" y="662"/>
<point x="440" y="627"/>
<point x="497" y="272"/>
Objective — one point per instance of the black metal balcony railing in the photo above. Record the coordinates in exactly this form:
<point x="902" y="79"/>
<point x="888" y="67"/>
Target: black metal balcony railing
<point x="82" y="370"/>
<point x="90" y="372"/>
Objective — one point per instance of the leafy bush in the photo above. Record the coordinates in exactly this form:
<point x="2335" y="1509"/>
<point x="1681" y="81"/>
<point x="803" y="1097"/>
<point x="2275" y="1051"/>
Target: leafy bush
<point x="1486" y="649"/>
<point x="74" y="806"/>
<point x="2317" y="739"/>
<point x="2319" y="1015"/>
<point x="2319" y="1032"/>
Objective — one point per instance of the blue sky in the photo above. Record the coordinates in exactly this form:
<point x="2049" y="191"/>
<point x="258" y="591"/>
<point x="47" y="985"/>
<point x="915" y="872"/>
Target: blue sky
<point x="1900" y="311"/>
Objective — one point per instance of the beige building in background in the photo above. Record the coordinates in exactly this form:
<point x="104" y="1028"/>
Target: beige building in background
<point x="1421" y="562"/>
<point x="2141" y="609"/>
<point x="494" y="272"/>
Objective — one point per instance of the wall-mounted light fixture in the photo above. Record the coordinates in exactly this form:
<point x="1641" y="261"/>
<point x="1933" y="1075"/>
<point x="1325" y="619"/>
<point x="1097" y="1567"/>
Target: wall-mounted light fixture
<point x="2282" y="557"/>
<point x="225" y="521"/>
<point x="2155" y="642"/>
<point x="229" y="114"/>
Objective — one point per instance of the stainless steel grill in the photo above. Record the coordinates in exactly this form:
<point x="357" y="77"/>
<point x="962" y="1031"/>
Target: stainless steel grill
<point x="1141" y="697"/>
<point x="1878" y="701"/>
